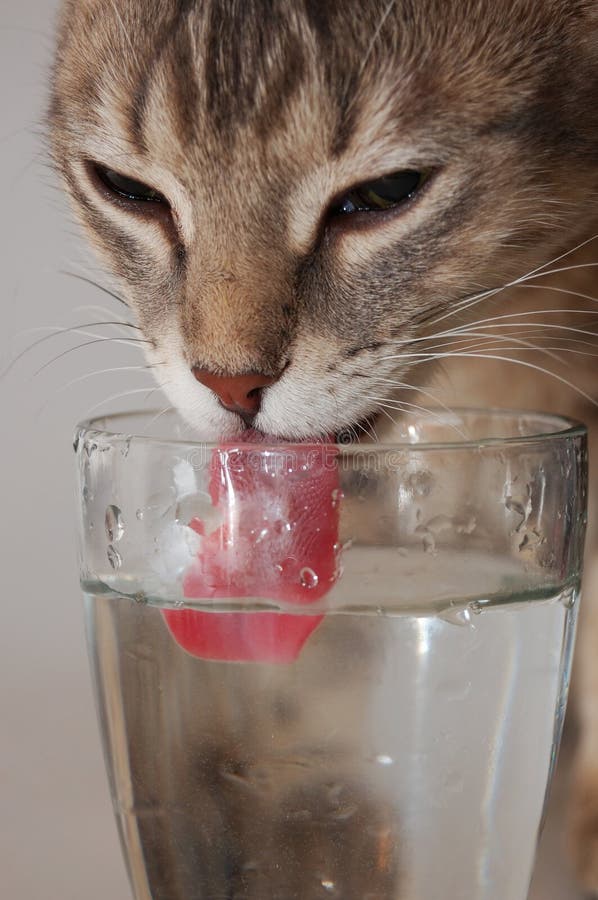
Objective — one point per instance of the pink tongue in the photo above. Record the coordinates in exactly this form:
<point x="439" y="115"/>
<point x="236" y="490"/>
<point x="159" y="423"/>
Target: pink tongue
<point x="278" y="541"/>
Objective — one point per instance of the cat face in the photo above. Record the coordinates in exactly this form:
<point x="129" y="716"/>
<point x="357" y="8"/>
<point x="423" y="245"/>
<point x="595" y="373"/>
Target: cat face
<point x="296" y="192"/>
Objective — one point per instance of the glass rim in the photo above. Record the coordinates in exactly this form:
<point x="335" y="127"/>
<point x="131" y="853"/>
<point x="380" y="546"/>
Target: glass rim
<point x="563" y="428"/>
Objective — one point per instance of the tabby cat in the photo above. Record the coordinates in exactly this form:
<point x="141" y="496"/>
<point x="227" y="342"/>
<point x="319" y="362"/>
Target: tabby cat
<point x="297" y="196"/>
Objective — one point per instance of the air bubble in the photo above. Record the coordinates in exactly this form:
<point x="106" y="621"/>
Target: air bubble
<point x="114" y="557"/>
<point x="139" y="514"/>
<point x="115" y="527"/>
<point x="308" y="578"/>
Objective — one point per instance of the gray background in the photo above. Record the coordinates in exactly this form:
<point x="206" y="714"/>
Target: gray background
<point x="57" y="837"/>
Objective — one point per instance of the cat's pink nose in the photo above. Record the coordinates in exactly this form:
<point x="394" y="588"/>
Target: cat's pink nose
<point x="239" y="393"/>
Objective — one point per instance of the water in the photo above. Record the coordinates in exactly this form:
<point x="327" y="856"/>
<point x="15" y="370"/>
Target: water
<point x="400" y="757"/>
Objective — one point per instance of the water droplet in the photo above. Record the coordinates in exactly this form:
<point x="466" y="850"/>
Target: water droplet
<point x="384" y="760"/>
<point x="467" y="525"/>
<point x="475" y="607"/>
<point x="438" y="524"/>
<point x="328" y="885"/>
<point x="85" y="494"/>
<point x="126" y="446"/>
<point x="308" y="578"/>
<point x="115" y="527"/>
<point x="335" y="496"/>
<point x="569" y="598"/>
<point x="263" y="534"/>
<point x="76" y="441"/>
<point x="114" y="557"/>
<point x="139" y="514"/>
<point x="531" y="539"/>
<point x="456" y="689"/>
<point x="453" y="782"/>
<point x="428" y="542"/>
<point x="179" y="604"/>
<point x="457" y="616"/>
<point x="420" y="483"/>
<point x="90" y="448"/>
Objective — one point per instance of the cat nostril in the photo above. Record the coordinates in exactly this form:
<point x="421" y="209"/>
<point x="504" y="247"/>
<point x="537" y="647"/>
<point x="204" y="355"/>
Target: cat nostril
<point x="239" y="393"/>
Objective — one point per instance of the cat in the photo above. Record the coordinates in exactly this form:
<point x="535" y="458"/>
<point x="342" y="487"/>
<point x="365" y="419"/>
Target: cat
<point x="297" y="196"/>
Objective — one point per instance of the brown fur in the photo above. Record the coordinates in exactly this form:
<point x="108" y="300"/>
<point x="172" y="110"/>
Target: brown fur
<point x="252" y="115"/>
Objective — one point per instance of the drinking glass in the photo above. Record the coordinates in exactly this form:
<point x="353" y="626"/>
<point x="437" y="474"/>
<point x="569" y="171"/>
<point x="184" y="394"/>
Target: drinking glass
<point x="328" y="671"/>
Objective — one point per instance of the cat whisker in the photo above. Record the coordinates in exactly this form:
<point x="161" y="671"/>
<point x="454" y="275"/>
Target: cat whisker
<point x="120" y="396"/>
<point x="91" y="307"/>
<point x="517" y="362"/>
<point x="418" y="389"/>
<point x="559" y="290"/>
<point x="463" y="329"/>
<point x="95" y="284"/>
<point x="144" y="370"/>
<point x="538" y="272"/>
<point x="57" y="331"/>
<point x="526" y="278"/>
<point x="162" y="412"/>
<point x="131" y="342"/>
<point x="539" y="334"/>
<point x="404" y="406"/>
<point x="379" y="27"/>
<point x="519" y="341"/>
<point x="525" y="314"/>
<point x="564" y="255"/>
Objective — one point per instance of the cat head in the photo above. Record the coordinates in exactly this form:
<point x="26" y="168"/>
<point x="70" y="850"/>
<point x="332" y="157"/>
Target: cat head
<point x="291" y="192"/>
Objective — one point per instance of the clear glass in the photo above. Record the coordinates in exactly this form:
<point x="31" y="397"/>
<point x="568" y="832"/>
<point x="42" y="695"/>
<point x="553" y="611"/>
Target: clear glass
<point x="332" y="671"/>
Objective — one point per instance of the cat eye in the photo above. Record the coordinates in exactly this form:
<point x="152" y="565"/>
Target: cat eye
<point x="383" y="193"/>
<point x="128" y="188"/>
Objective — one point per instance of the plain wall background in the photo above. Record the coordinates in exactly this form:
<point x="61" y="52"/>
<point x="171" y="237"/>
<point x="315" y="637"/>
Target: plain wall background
<point x="57" y="836"/>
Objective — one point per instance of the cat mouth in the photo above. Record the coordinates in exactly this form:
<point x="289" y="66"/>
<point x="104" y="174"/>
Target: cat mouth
<point x="360" y="432"/>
